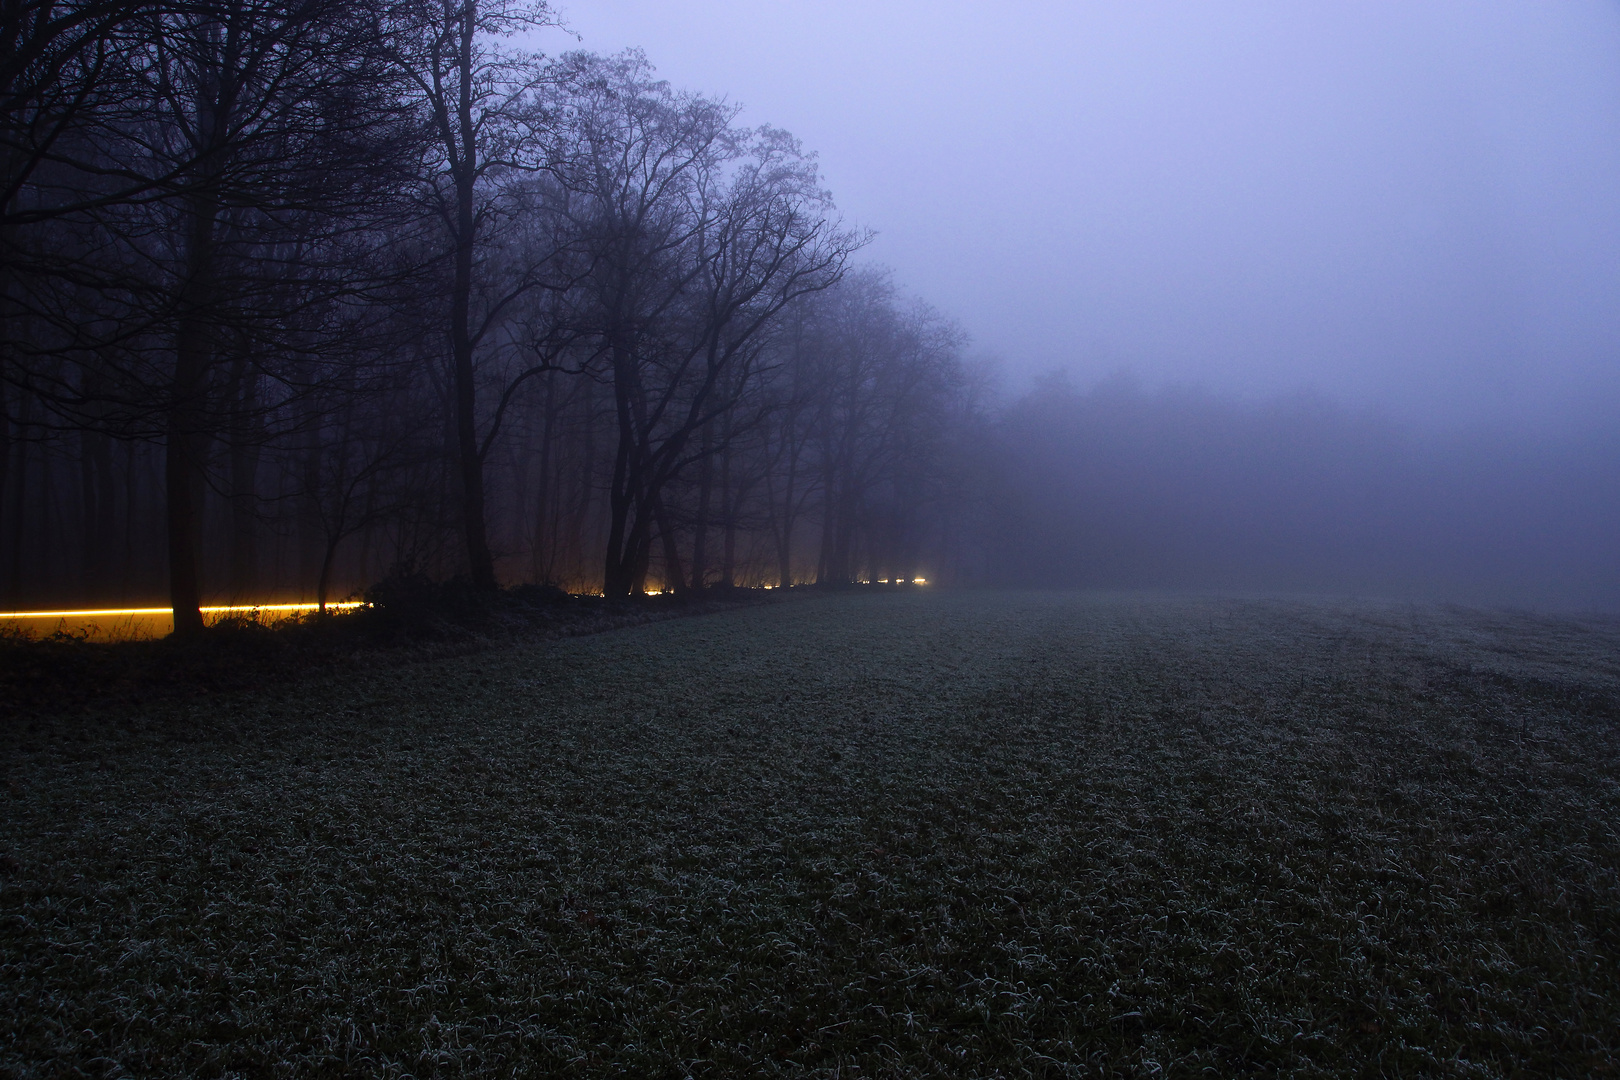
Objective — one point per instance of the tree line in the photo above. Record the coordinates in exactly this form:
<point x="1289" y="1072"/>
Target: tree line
<point x="1119" y="485"/>
<point x="299" y="292"/>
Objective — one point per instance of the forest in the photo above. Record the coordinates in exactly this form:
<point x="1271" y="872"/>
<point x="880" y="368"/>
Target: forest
<point x="299" y="295"/>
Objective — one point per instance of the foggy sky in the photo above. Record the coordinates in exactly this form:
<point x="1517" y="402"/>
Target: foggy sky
<point x="1412" y="205"/>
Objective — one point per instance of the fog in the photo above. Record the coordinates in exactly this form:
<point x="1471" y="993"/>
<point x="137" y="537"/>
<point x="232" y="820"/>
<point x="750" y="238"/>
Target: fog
<point x="1121" y="487"/>
<point x="1311" y="296"/>
<point x="630" y="297"/>
<point x="1410" y="205"/>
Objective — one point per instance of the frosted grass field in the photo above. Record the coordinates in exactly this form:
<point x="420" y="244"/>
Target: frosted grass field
<point x="935" y="834"/>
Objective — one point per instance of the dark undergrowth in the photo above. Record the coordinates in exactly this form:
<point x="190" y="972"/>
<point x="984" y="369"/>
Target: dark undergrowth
<point x="948" y="835"/>
<point x="406" y="617"/>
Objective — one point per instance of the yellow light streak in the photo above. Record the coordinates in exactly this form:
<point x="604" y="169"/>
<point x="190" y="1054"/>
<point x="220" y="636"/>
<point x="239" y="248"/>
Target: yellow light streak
<point x="211" y="610"/>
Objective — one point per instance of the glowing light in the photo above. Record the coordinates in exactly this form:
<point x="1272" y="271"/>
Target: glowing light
<point x="211" y="610"/>
<point x="919" y="581"/>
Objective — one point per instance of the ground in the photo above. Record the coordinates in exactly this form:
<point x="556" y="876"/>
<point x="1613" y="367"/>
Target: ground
<point x="880" y="834"/>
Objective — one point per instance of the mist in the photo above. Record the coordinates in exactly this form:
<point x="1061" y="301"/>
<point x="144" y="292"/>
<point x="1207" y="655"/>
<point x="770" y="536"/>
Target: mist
<point x="1282" y="296"/>
<point x="766" y="537"/>
<point x="1119" y="486"/>
<point x="691" y="296"/>
<point x="1413" y="206"/>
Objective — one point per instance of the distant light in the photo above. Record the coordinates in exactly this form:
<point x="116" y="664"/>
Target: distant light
<point x="345" y="604"/>
<point x="85" y="614"/>
<point x="213" y="610"/>
<point x="919" y="581"/>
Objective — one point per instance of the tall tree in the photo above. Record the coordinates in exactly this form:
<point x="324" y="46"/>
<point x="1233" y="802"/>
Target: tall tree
<point x="698" y="234"/>
<point x="299" y="272"/>
<point x="271" y="128"/>
<point x="479" y="103"/>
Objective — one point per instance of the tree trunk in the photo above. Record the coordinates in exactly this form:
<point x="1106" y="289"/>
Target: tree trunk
<point x="825" y="572"/>
<point x="96" y="493"/>
<point x="480" y="561"/>
<point x="180" y="475"/>
<point x="245" y="450"/>
<point x="640" y="555"/>
<point x="325" y="580"/>
<point x="729" y="501"/>
<point x="543" y="556"/>
<point x="7" y="319"/>
<point x="51" y="534"/>
<point x="19" y="516"/>
<point x="674" y="580"/>
<point x="582" y="508"/>
<point x="784" y="551"/>
<point x="130" y="506"/>
<point x="312" y="531"/>
<point x="618" y="571"/>
<point x="700" y="534"/>
<point x="5" y="424"/>
<point x="88" y="569"/>
<point x="182" y="471"/>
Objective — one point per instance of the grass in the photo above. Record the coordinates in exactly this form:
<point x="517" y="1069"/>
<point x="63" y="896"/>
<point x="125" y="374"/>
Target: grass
<point x="971" y="834"/>
<point x="78" y="672"/>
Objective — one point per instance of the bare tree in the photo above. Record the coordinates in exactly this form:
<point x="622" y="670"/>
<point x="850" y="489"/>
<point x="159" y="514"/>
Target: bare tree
<point x="479" y="103"/>
<point x="314" y="272"/>
<point x="698" y="235"/>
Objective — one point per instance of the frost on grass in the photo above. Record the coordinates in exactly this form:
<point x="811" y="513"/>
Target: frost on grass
<point x="879" y="835"/>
